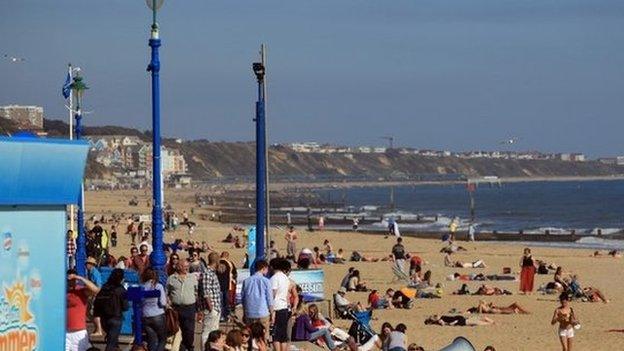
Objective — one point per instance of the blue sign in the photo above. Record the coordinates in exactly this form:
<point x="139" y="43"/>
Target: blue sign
<point x="311" y="281"/>
<point x="32" y="278"/>
<point x="251" y="245"/>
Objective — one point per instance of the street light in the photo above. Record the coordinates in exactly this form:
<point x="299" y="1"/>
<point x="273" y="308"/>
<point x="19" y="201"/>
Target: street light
<point x="262" y="216"/>
<point x="157" y="257"/>
<point x="78" y="88"/>
<point x="259" y="71"/>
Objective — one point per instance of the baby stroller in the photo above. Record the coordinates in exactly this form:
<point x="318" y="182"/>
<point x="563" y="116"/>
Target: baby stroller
<point x="360" y="329"/>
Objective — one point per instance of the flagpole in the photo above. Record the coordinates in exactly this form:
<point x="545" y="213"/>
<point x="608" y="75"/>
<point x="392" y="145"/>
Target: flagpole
<point x="71" y="136"/>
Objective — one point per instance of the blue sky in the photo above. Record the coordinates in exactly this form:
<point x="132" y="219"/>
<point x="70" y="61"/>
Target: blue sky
<point x="457" y="75"/>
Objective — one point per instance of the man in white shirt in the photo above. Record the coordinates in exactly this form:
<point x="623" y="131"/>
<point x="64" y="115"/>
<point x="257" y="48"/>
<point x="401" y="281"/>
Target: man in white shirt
<point x="280" y="284"/>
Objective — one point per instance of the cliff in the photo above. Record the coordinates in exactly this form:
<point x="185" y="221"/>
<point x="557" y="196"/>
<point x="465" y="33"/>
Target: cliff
<point x="209" y="160"/>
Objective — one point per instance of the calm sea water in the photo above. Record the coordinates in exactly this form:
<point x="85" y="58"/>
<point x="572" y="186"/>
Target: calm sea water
<point x="530" y="206"/>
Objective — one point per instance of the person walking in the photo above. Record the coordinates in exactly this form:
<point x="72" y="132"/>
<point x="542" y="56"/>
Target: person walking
<point x="471" y="232"/>
<point x="398" y="251"/>
<point x="280" y="285"/>
<point x="212" y="297"/>
<point x="291" y="242"/>
<point x="109" y="305"/>
<point x="257" y="296"/>
<point x="527" y="273"/>
<point x="94" y="275"/>
<point x="76" y="336"/>
<point x="564" y="315"/>
<point x="154" y="312"/>
<point x="182" y="290"/>
<point x="227" y="274"/>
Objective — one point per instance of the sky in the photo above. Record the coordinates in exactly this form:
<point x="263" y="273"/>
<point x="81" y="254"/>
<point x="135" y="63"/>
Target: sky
<point x="454" y="75"/>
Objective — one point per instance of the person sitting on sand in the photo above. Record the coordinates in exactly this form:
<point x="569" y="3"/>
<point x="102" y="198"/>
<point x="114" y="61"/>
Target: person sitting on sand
<point x="320" y="322"/>
<point x="458" y="321"/>
<point x="340" y="257"/>
<point x="400" y="298"/>
<point x="459" y="264"/>
<point x="612" y="253"/>
<point x="342" y="305"/>
<point x="355" y="283"/>
<point x="452" y="248"/>
<point x="490" y="308"/>
<point x="318" y="257"/>
<point x="423" y="283"/>
<point x="238" y="243"/>
<point x="328" y="247"/>
<point x="488" y="290"/>
<point x="379" y="341"/>
<point x="559" y="282"/>
<point x="463" y="290"/>
<point x="305" y="258"/>
<point x="376" y="301"/>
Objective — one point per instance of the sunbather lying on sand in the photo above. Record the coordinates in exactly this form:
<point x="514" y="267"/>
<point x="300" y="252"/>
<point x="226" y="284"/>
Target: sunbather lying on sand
<point x="488" y="290"/>
<point x="458" y="321"/>
<point x="459" y="264"/>
<point x="478" y="276"/>
<point x="490" y="308"/>
<point x="612" y="253"/>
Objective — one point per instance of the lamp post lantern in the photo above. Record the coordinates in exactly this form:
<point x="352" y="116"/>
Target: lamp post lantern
<point x="78" y="88"/>
<point x="157" y="258"/>
<point x="259" y="70"/>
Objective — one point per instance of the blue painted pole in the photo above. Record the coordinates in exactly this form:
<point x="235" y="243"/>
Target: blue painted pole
<point x="260" y="171"/>
<point x="136" y="295"/>
<point x="81" y="239"/>
<point x="157" y="258"/>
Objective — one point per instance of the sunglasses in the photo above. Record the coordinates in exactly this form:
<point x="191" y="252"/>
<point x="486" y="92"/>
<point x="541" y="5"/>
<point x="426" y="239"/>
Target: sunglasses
<point x="174" y="259"/>
<point x="246" y="335"/>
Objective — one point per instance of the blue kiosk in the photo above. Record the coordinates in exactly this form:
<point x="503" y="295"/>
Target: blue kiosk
<point x="39" y="178"/>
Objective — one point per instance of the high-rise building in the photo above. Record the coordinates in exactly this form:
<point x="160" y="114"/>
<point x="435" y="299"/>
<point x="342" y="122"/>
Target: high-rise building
<point x="25" y="117"/>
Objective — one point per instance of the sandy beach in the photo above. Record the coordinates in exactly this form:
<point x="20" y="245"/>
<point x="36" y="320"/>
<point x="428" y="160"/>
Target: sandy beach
<point x="511" y="332"/>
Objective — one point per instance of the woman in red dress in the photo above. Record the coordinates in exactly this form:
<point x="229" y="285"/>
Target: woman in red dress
<point x="528" y="272"/>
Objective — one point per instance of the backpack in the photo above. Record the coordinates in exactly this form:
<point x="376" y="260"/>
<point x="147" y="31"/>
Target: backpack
<point x="106" y="303"/>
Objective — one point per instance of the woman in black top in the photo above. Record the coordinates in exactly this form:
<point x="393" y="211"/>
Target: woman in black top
<point x="109" y="304"/>
<point x="528" y="272"/>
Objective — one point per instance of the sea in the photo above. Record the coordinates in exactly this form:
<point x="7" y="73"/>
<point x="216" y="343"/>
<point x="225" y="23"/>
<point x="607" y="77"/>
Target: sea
<point x="533" y="207"/>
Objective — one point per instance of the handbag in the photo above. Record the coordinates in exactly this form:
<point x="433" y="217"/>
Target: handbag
<point x="172" y="324"/>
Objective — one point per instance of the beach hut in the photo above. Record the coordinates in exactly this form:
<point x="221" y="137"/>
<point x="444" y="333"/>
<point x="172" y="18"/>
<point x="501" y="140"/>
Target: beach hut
<point x="39" y="178"/>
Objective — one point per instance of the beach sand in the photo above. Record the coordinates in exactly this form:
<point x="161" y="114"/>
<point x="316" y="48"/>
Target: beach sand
<point x="512" y="332"/>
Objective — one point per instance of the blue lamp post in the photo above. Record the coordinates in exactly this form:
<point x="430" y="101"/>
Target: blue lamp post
<point x="157" y="258"/>
<point x="78" y="87"/>
<point x="259" y="71"/>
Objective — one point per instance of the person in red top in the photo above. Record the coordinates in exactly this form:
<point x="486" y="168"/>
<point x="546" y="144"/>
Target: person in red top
<point x="76" y="337"/>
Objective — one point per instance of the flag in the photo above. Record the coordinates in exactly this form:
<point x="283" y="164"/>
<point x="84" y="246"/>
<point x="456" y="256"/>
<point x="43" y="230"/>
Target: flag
<point x="67" y="86"/>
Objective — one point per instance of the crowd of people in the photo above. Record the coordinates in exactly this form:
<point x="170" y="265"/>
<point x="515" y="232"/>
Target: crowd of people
<point x="200" y="291"/>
